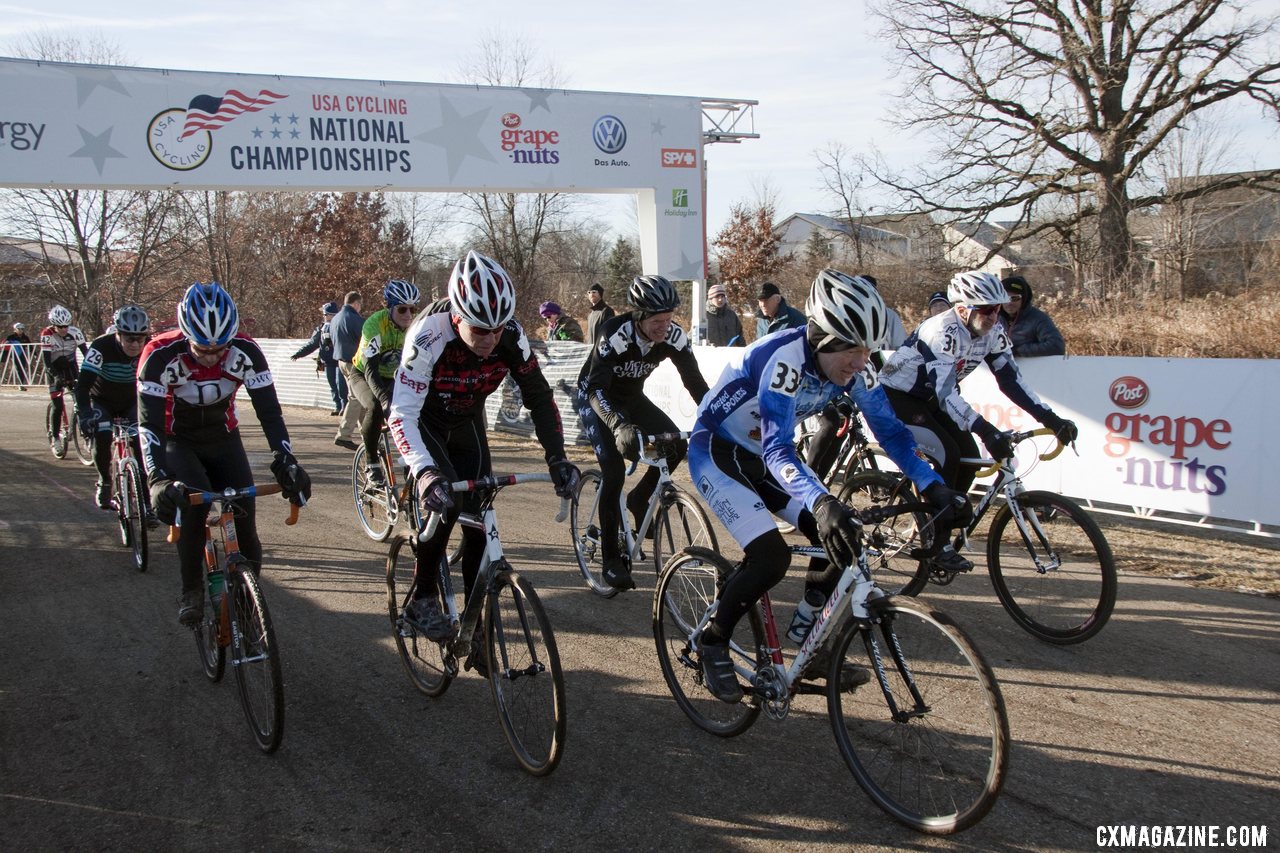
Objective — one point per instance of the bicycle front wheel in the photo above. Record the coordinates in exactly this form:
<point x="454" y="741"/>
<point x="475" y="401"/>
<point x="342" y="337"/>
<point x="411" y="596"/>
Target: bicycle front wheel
<point x="84" y="446"/>
<point x="132" y="509"/>
<point x="428" y="664"/>
<point x="213" y="654"/>
<point x="56" y="432"/>
<point x="889" y="544"/>
<point x="376" y="505"/>
<point x="928" y="737"/>
<point x="584" y="527"/>
<point x="525" y="674"/>
<point x="687" y="586"/>
<point x="257" y="662"/>
<point x="1052" y="568"/>
<point x="680" y="523"/>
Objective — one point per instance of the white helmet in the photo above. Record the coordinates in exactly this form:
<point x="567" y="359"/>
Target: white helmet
<point x="481" y="292"/>
<point x="847" y="308"/>
<point x="975" y="289"/>
<point x="60" y="315"/>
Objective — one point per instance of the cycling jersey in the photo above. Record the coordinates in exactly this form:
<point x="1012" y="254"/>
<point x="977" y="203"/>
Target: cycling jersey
<point x="378" y="355"/>
<point x="108" y="378"/>
<point x="441" y="384"/>
<point x="772" y="385"/>
<point x="941" y="352"/>
<point x="178" y="396"/>
<point x="58" y="346"/>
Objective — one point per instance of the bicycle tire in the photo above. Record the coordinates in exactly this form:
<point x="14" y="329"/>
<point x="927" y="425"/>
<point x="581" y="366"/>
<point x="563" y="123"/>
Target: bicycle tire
<point x="376" y="508"/>
<point x="936" y="765"/>
<point x="687" y="586"/>
<point x="133" y="510"/>
<point x="889" y="543"/>
<point x="213" y="654"/>
<point x="83" y="446"/>
<point x="121" y="507"/>
<point x="690" y="527"/>
<point x="428" y="663"/>
<point x="1072" y="600"/>
<point x="58" y="443"/>
<point x="584" y="527"/>
<point x="524" y="673"/>
<point x="257" y="661"/>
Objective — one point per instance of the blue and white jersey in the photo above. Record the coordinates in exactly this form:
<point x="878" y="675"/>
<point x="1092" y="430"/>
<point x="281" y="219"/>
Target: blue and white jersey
<point x="772" y="385"/>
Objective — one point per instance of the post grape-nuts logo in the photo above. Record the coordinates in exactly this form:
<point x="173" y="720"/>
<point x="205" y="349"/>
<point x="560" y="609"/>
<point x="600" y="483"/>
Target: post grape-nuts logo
<point x="1129" y="392"/>
<point x="609" y="134"/>
<point x="511" y="120"/>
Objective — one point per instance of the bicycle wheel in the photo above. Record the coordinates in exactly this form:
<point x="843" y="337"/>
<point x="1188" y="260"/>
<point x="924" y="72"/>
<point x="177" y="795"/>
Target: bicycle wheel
<point x="257" y="662"/>
<point x="213" y="655"/>
<point x="679" y="523"/>
<point x="118" y="488"/>
<point x="132" y="508"/>
<point x="84" y="446"/>
<point x="428" y="663"/>
<point x="376" y="505"/>
<point x="57" y="444"/>
<point x="686" y="588"/>
<point x="584" y="527"/>
<point x="1055" y="574"/>
<point x="928" y="737"/>
<point x="889" y="543"/>
<point x="525" y="674"/>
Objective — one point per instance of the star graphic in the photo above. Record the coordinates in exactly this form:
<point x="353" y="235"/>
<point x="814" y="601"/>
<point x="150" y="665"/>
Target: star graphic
<point x="275" y="118"/>
<point x="293" y="118"/>
<point x="657" y="127"/>
<point x="275" y="133"/>
<point x="97" y="147"/>
<point x="295" y="133"/>
<point x="89" y="80"/>
<point x="257" y="133"/>
<point x="537" y="98"/>
<point x="458" y="135"/>
<point x="688" y="269"/>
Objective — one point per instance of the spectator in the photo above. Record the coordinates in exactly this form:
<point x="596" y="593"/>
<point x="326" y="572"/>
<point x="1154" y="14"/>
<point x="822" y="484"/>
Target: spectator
<point x="724" y="329"/>
<point x="322" y="340"/>
<point x="1030" y="330"/>
<point x="346" y="328"/>
<point x="17" y="354"/>
<point x="600" y="311"/>
<point x="559" y="326"/>
<point x="775" y="314"/>
<point x="938" y="303"/>
<point x="895" y="332"/>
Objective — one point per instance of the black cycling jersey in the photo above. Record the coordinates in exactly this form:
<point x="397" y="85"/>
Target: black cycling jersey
<point x="108" y="378"/>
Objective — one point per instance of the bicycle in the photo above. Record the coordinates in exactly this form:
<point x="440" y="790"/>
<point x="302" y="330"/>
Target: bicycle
<point x="676" y="517"/>
<point x="67" y="432"/>
<point x="379" y="505"/>
<point x="927" y="738"/>
<point x="503" y="632"/>
<point x="1052" y="567"/>
<point x="128" y="486"/>
<point x="239" y="621"/>
<point x="856" y="453"/>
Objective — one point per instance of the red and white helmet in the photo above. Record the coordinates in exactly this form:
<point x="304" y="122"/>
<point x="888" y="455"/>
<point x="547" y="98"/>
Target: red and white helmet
<point x="481" y="292"/>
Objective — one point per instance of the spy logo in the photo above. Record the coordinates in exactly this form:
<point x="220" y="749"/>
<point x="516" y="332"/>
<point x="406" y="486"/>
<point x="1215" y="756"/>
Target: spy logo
<point x="679" y="198"/>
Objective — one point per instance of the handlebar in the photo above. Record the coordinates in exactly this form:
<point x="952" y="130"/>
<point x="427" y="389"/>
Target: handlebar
<point x="1017" y="438"/>
<point x="649" y="445"/>
<point x="493" y="483"/>
<point x="198" y="497"/>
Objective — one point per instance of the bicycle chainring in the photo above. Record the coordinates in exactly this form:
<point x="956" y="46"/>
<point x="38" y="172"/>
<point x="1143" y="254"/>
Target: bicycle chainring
<point x="772" y="691"/>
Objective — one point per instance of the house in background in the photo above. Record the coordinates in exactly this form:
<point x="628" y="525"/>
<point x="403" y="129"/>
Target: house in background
<point x="24" y="289"/>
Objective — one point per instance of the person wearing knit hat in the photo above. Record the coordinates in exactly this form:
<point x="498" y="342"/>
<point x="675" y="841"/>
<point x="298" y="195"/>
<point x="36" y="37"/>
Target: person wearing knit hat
<point x="724" y="329"/>
<point x="938" y="303"/>
<point x="1031" y="331"/>
<point x="559" y="327"/>
<point x="600" y="311"/>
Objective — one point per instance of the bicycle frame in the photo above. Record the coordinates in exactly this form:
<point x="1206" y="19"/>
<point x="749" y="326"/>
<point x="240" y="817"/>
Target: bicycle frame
<point x="1007" y="483"/>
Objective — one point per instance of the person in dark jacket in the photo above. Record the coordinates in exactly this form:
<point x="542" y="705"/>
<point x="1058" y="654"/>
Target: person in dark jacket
<point x="322" y="340"/>
<point x="724" y="329"/>
<point x="345" y="329"/>
<point x="1031" y="331"/>
<point x="600" y="311"/>
<point x="560" y="327"/>
<point x="775" y="314"/>
<point x="18" y="353"/>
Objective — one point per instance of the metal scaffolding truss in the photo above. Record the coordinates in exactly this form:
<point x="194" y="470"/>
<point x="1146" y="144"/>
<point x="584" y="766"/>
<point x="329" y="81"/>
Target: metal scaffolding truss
<point x="728" y="120"/>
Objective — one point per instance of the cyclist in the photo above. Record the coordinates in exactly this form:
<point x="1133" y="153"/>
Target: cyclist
<point x="58" y="344"/>
<point x="375" y="363"/>
<point x="190" y="431"/>
<point x="742" y="455"/>
<point x="923" y="377"/>
<point x="615" y="411"/>
<point x="456" y="355"/>
<point x="108" y="388"/>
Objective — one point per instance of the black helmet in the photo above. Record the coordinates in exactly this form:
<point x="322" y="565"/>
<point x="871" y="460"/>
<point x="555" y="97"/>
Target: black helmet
<point x="653" y="294"/>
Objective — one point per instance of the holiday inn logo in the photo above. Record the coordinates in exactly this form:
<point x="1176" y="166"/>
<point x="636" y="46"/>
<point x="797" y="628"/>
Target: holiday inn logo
<point x="679" y="198"/>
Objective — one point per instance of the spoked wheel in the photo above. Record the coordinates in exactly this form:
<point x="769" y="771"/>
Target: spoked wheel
<point x="57" y="443"/>
<point x="928" y="737"/>
<point x="132" y="507"/>
<point x="680" y="523"/>
<point x="118" y="488"/>
<point x="84" y="446"/>
<point x="257" y="662"/>
<point x="213" y="654"/>
<point x="428" y="663"/>
<point x="525" y="674"/>
<point x="1052" y="568"/>
<point x="686" y="588"/>
<point x="889" y="544"/>
<point x="376" y="505"/>
<point x="584" y="527"/>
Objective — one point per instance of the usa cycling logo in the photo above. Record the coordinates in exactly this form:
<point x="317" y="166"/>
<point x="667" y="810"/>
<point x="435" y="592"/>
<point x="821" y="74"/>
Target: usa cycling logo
<point x="609" y="134"/>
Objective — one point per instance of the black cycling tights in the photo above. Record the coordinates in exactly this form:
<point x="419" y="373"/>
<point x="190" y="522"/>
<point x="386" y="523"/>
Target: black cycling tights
<point x="460" y="454"/>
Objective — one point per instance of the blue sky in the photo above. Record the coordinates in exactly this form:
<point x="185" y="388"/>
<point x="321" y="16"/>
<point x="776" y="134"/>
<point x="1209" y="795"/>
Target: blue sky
<point x="818" y="69"/>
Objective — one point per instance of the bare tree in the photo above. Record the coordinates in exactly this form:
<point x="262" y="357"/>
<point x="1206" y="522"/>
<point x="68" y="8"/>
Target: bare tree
<point x="1034" y="100"/>
<point x="844" y="178"/>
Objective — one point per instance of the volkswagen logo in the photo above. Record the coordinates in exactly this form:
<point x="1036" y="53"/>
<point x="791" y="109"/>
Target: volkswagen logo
<point x="610" y="134"/>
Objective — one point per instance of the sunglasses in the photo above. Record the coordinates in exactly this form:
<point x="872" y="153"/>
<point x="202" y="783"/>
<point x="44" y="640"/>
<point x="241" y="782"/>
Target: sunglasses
<point x="134" y="339"/>
<point x="485" y="333"/>
<point x="208" y="351"/>
<point x="1015" y="297"/>
<point x="405" y="309"/>
<point x="63" y="326"/>
<point x="986" y="310"/>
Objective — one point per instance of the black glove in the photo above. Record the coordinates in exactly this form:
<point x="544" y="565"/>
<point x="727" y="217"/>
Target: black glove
<point x="1064" y="430"/>
<point x="844" y="406"/>
<point x="954" y="507"/>
<point x="565" y="476"/>
<point x="433" y="490"/>
<point x="998" y="443"/>
<point x="167" y="496"/>
<point x="839" y="530"/>
<point x="294" y="481"/>
<point x="627" y="439"/>
<point x="89" y="422"/>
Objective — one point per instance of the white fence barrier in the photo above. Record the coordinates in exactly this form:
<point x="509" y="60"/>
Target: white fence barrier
<point x="21" y="365"/>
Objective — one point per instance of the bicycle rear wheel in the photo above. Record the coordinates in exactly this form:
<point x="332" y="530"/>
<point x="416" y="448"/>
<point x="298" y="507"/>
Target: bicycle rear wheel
<point x="679" y="523"/>
<point x="584" y="527"/>
<point x="928" y="737"/>
<point x="56" y="432"/>
<point x="687" y="586"/>
<point x="257" y="662"/>
<point x="525" y="674"/>
<point x="213" y="655"/>
<point x="376" y="505"/>
<point x="132" y="509"/>
<point x="1057" y="578"/>
<point x="889" y="544"/>
<point x="428" y="663"/>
